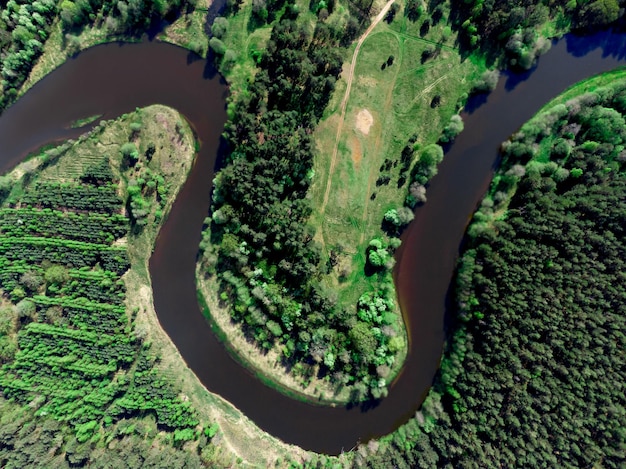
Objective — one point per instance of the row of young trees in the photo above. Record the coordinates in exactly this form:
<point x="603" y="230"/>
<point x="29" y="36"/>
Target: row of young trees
<point x="69" y="347"/>
<point x="533" y="374"/>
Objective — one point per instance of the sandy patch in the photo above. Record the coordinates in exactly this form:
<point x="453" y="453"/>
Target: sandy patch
<point x="364" y="121"/>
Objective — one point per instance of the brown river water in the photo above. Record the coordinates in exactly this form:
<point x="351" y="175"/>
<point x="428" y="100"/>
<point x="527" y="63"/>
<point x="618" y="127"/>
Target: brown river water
<point x="117" y="78"/>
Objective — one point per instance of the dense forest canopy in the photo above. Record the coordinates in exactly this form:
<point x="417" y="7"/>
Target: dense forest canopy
<point x="534" y="375"/>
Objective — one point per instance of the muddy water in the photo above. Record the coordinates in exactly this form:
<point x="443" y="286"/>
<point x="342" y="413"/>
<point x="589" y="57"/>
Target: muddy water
<point x="115" y="79"/>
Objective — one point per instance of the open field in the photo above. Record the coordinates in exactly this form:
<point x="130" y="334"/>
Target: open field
<point x="387" y="105"/>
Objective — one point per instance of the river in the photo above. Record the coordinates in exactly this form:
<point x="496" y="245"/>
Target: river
<point x="116" y="78"/>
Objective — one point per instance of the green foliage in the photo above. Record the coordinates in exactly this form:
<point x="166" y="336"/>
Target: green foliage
<point x="258" y="244"/>
<point x="454" y="128"/>
<point x="56" y="275"/>
<point x="6" y="185"/>
<point x="75" y="358"/>
<point x="514" y="29"/>
<point x="217" y="46"/>
<point x="130" y="153"/>
<point x="219" y="28"/>
<point x="488" y="81"/>
<point x="537" y="352"/>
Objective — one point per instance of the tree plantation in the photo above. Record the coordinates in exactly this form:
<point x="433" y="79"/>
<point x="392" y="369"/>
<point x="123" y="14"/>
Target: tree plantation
<point x="71" y="349"/>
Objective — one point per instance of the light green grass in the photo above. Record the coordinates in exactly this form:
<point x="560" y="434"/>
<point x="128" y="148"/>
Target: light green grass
<point x="398" y="98"/>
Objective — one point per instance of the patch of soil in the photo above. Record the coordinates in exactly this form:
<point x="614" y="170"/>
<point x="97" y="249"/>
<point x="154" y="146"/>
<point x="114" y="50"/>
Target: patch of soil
<point x="357" y="152"/>
<point x="364" y="121"/>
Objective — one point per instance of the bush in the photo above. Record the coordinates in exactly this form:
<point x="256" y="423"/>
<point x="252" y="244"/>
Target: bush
<point x="454" y="128"/>
<point x="217" y="46"/>
<point x="399" y="217"/>
<point x="488" y="81"/>
<point x="25" y="309"/>
<point x="220" y="27"/>
<point x="56" y="275"/>
<point x="130" y="154"/>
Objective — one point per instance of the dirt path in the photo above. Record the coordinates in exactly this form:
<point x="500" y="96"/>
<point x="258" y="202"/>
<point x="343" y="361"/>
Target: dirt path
<point x="344" y="102"/>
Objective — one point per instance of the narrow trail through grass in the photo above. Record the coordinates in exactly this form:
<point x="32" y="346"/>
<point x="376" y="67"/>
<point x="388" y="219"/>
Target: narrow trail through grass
<point x="344" y="102"/>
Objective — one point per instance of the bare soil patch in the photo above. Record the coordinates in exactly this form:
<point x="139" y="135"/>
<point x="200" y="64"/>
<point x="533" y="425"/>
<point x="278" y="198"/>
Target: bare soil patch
<point x="364" y="121"/>
<point x="357" y="152"/>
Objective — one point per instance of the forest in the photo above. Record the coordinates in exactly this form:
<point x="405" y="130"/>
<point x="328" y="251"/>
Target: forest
<point x="539" y="282"/>
<point x="534" y="373"/>
<point x="258" y="242"/>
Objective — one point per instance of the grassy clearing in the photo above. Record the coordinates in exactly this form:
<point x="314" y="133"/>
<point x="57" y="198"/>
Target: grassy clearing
<point x="398" y="98"/>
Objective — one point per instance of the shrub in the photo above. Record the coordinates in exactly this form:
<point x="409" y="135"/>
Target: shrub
<point x="217" y="46"/>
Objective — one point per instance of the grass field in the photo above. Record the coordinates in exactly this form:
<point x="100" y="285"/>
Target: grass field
<point x="386" y="107"/>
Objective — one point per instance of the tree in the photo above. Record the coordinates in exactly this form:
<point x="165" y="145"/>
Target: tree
<point x="454" y="128"/>
<point x="599" y="13"/>
<point x="219" y="28"/>
<point x="56" y="275"/>
<point x="432" y="155"/>
<point x="25" y="309"/>
<point x="488" y="81"/>
<point x="363" y="339"/>
<point x="6" y="185"/>
<point x="217" y="46"/>
<point x="32" y="280"/>
<point x="130" y="154"/>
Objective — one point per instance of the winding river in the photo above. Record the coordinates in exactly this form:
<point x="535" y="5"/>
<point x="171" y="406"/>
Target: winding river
<point x="116" y="78"/>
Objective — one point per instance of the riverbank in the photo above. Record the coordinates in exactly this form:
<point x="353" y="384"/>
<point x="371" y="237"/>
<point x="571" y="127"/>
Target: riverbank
<point x="187" y="32"/>
<point x="173" y="146"/>
<point x="266" y="365"/>
<point x="240" y="442"/>
<point x="550" y="231"/>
